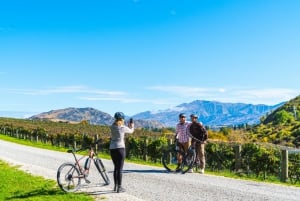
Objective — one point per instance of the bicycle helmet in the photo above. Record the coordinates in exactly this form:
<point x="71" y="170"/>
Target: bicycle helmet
<point x="119" y="115"/>
<point x="194" y="116"/>
<point x="181" y="115"/>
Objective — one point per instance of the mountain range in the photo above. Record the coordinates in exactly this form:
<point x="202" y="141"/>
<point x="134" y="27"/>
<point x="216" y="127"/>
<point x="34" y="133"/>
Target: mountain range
<point x="211" y="113"/>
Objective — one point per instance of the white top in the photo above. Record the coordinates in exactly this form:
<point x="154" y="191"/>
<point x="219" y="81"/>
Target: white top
<point x="118" y="134"/>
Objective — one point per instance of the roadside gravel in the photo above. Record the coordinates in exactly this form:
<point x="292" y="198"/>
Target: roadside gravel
<point x="147" y="183"/>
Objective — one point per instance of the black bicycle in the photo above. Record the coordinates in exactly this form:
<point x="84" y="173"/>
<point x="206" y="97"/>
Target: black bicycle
<point x="69" y="175"/>
<point x="175" y="160"/>
<point x="191" y="159"/>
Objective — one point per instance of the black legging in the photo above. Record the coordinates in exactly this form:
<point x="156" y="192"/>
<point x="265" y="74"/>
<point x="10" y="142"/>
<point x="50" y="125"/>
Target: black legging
<point x="118" y="157"/>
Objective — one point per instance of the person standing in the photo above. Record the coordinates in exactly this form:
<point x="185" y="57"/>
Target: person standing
<point x="117" y="147"/>
<point x="199" y="138"/>
<point x="182" y="136"/>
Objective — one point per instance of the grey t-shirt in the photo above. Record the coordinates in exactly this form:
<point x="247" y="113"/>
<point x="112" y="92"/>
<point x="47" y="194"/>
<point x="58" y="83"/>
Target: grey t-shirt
<point x="118" y="134"/>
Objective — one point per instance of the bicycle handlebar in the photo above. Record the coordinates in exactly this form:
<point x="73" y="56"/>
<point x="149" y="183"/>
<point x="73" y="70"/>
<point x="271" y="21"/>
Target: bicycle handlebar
<point x="75" y="150"/>
<point x="196" y="139"/>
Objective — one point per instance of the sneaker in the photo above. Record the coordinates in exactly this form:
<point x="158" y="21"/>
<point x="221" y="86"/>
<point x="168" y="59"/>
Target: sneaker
<point x="121" y="189"/>
<point x="190" y="171"/>
<point x="201" y="171"/>
<point x="87" y="181"/>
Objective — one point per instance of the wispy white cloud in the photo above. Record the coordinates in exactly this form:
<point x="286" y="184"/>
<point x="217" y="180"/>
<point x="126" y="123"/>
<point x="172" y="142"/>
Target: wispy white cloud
<point x="112" y="98"/>
<point x="128" y="99"/>
<point x="90" y="94"/>
<point x="65" y="90"/>
<point x="265" y="95"/>
<point x="86" y="93"/>
<point x="182" y="90"/>
<point x="171" y="96"/>
<point x="243" y="95"/>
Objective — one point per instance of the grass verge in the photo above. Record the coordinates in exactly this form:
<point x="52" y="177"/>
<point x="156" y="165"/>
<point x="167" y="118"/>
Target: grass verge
<point x="19" y="185"/>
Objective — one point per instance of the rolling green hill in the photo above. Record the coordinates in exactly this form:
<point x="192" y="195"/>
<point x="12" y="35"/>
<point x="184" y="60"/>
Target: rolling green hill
<point x="282" y="126"/>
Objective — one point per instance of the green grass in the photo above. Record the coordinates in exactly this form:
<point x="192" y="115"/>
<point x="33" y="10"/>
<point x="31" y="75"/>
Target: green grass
<point x="19" y="185"/>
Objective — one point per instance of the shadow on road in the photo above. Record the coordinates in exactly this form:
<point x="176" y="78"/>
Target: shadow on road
<point x="96" y="189"/>
<point x="98" y="192"/>
<point x="145" y="171"/>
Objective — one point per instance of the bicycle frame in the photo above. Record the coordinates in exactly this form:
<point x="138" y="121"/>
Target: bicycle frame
<point x="84" y="171"/>
<point x="69" y="175"/>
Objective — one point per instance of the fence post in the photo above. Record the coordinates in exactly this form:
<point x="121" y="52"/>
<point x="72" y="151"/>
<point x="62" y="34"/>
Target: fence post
<point x="284" y="165"/>
<point x="170" y="141"/>
<point x="75" y="143"/>
<point x="127" y="147"/>
<point x="145" y="150"/>
<point x="96" y="145"/>
<point x="238" y="150"/>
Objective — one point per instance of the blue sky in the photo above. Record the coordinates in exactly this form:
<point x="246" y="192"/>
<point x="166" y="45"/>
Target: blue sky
<point x="139" y="55"/>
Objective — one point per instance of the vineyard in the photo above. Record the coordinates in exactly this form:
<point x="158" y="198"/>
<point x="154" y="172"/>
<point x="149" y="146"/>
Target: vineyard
<point x="237" y="155"/>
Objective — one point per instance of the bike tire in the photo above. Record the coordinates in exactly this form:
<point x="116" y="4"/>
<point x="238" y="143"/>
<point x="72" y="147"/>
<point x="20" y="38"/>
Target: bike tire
<point x="101" y="169"/>
<point x="170" y="160"/>
<point x="68" y="177"/>
<point x="188" y="160"/>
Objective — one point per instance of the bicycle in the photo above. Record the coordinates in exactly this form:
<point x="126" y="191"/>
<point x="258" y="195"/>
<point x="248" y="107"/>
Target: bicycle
<point x="170" y="158"/>
<point x="69" y="175"/>
<point x="191" y="159"/>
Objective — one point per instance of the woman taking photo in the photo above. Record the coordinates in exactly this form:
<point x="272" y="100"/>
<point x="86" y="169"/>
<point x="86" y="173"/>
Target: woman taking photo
<point x="117" y="147"/>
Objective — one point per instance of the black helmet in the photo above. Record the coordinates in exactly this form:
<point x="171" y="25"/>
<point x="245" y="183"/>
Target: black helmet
<point x="194" y="116"/>
<point x="181" y="115"/>
<point x="119" y="115"/>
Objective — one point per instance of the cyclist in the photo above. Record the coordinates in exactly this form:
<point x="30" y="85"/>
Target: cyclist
<point x="117" y="147"/>
<point x="199" y="137"/>
<point x="182" y="136"/>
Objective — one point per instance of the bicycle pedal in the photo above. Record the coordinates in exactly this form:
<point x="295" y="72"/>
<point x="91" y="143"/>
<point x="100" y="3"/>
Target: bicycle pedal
<point x="87" y="181"/>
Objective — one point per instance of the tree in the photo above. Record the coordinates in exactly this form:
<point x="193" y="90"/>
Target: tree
<point x="282" y="117"/>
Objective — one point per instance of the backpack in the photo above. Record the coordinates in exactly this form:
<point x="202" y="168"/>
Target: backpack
<point x="198" y="131"/>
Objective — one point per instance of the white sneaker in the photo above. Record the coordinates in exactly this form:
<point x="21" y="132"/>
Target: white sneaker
<point x="190" y="171"/>
<point x="201" y="171"/>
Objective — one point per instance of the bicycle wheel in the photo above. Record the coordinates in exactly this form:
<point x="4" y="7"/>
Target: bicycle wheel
<point x="170" y="159"/>
<point x="188" y="160"/>
<point x="68" y="177"/>
<point x="101" y="169"/>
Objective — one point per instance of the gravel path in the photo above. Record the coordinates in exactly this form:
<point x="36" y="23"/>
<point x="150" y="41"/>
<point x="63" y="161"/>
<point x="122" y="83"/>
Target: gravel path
<point x="149" y="183"/>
